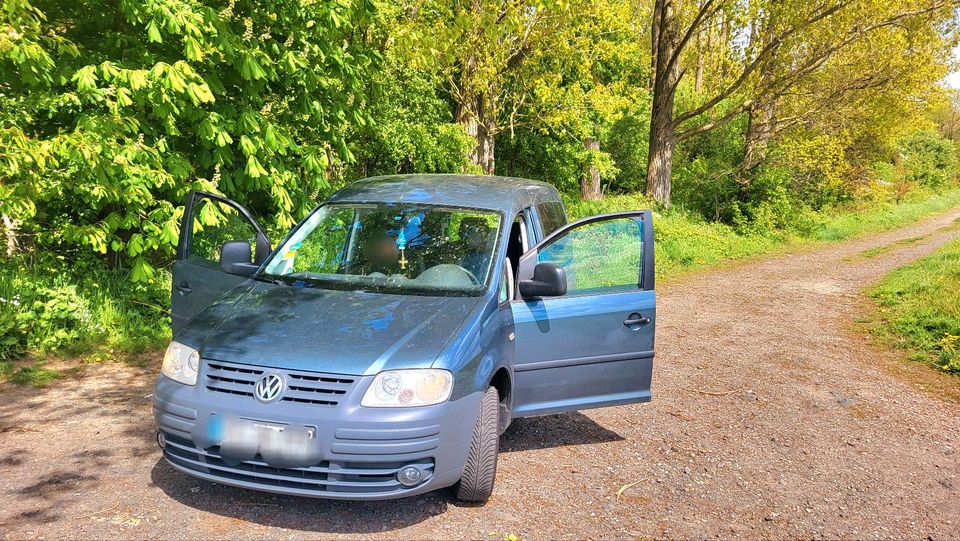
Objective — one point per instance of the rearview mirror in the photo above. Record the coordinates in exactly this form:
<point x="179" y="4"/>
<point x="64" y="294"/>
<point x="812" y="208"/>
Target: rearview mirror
<point x="235" y="258"/>
<point x="549" y="280"/>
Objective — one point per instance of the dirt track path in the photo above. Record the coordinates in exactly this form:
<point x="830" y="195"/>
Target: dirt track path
<point x="771" y="417"/>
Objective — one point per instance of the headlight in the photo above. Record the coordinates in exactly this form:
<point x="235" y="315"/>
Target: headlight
<point x="402" y="388"/>
<point x="180" y="363"/>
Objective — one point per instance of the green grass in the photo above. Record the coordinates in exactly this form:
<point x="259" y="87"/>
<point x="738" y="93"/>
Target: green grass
<point x="685" y="242"/>
<point x="37" y="376"/>
<point x="887" y="248"/>
<point x="843" y="225"/>
<point x="49" y="310"/>
<point x="919" y="308"/>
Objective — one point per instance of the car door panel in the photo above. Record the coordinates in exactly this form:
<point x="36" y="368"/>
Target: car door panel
<point x="594" y="346"/>
<point x="198" y="278"/>
<point x="196" y="286"/>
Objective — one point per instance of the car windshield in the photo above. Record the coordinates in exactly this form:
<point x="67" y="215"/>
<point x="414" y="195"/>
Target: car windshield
<point x="400" y="248"/>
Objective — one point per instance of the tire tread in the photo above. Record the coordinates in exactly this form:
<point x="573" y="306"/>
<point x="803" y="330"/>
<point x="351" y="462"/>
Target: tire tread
<point x="480" y="470"/>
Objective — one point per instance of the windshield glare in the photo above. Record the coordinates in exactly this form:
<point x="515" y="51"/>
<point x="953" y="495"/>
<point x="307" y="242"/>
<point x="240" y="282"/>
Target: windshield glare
<point x="402" y="248"/>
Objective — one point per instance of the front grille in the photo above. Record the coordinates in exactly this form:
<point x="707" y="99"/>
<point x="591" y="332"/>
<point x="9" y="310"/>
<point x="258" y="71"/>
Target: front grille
<point x="325" y="477"/>
<point x="302" y="387"/>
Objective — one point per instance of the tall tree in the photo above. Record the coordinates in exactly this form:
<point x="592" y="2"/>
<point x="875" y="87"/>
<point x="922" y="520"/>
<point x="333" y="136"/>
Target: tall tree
<point x="577" y="88"/>
<point x="798" y="38"/>
<point x="477" y="46"/>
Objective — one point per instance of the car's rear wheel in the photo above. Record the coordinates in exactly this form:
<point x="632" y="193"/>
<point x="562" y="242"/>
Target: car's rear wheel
<point x="476" y="483"/>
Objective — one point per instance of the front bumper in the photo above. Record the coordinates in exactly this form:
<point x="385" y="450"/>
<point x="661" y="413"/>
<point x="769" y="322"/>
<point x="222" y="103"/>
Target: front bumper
<point x="361" y="449"/>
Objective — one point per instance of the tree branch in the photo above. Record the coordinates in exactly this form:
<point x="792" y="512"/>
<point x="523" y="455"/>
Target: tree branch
<point x="702" y="15"/>
<point x="761" y="57"/>
<point x="739" y="109"/>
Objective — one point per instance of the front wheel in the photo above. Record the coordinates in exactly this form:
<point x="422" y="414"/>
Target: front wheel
<point x="480" y="471"/>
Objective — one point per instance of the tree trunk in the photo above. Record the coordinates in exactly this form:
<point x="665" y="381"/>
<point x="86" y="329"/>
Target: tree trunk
<point x="760" y="127"/>
<point x="475" y="113"/>
<point x="663" y="131"/>
<point x="590" y="183"/>
<point x="655" y="42"/>
<point x="660" y="164"/>
<point x="698" y="74"/>
<point x="724" y="44"/>
<point x="10" y="235"/>
<point x="701" y="60"/>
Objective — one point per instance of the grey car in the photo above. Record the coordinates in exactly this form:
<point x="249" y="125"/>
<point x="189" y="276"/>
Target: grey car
<point x="382" y="348"/>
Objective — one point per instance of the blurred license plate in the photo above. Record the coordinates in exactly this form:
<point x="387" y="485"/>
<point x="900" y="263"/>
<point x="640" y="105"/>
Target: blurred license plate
<point x="260" y="425"/>
<point x="279" y="445"/>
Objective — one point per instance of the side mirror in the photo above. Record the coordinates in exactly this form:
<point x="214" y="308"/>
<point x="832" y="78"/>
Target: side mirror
<point x="235" y="258"/>
<point x="549" y="280"/>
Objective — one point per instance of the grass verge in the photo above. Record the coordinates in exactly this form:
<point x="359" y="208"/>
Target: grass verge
<point x="685" y="242"/>
<point x="919" y="308"/>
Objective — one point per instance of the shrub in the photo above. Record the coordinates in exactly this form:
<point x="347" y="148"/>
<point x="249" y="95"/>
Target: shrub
<point x="47" y="307"/>
<point x="928" y="158"/>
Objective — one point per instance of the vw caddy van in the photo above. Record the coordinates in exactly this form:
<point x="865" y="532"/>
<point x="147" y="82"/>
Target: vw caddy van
<point x="382" y="348"/>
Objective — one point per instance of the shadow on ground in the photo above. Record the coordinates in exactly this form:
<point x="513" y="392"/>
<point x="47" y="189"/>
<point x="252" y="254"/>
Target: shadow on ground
<point x="58" y="442"/>
<point x="60" y="447"/>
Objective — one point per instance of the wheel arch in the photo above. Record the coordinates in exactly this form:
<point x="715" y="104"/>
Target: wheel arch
<point x="502" y="381"/>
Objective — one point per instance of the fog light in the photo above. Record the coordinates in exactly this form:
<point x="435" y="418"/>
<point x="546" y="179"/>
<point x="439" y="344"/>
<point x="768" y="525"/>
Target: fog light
<point x="409" y="476"/>
<point x="161" y="440"/>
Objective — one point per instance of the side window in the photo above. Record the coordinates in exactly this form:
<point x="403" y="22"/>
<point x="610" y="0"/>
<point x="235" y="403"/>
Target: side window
<point x="215" y="223"/>
<point x="552" y="217"/>
<point x="598" y="257"/>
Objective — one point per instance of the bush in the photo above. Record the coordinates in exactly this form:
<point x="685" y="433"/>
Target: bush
<point x="928" y="159"/>
<point x="46" y="307"/>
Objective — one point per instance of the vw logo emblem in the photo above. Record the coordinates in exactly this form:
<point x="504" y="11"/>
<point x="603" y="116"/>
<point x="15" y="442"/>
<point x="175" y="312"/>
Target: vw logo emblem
<point x="269" y="388"/>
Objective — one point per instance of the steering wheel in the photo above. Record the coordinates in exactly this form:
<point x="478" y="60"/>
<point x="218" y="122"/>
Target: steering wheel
<point x="448" y="275"/>
<point x="476" y="281"/>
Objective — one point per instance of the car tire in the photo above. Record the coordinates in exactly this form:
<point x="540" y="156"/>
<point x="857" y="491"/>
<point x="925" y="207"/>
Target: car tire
<point x="480" y="471"/>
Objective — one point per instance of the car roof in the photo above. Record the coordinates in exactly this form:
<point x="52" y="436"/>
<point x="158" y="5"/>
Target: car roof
<point x="506" y="194"/>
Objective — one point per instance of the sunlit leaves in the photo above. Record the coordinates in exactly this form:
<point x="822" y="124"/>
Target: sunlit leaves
<point x="132" y="107"/>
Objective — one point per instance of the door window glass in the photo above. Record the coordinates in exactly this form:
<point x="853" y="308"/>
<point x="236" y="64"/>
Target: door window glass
<point x="599" y="256"/>
<point x="506" y="284"/>
<point x="215" y="223"/>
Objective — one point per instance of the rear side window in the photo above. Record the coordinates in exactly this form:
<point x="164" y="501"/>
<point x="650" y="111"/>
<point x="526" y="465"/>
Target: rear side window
<point x="552" y="217"/>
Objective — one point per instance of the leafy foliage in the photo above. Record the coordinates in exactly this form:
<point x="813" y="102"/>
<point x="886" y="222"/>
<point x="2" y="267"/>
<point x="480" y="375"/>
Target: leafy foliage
<point x="928" y="158"/>
<point x="112" y="114"/>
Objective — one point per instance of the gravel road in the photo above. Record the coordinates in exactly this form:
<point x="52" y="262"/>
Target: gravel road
<point x="773" y="416"/>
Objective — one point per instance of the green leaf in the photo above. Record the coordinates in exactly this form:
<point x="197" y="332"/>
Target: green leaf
<point x="123" y="97"/>
<point x="141" y="271"/>
<point x="192" y="49"/>
<point x="254" y="169"/>
<point x="135" y="245"/>
<point x="153" y="32"/>
<point x="247" y="146"/>
<point x="85" y="78"/>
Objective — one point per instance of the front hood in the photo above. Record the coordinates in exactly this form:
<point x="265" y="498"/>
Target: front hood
<point x="323" y="330"/>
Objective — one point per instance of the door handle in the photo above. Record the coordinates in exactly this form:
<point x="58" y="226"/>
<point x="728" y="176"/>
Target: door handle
<point x="636" y="319"/>
<point x="184" y="288"/>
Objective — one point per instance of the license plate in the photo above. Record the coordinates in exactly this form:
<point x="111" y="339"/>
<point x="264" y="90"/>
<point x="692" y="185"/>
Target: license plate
<point x="260" y="425"/>
<point x="279" y="445"/>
